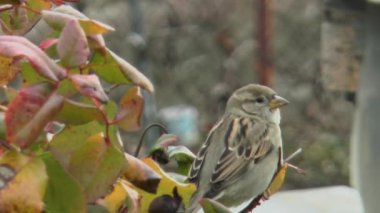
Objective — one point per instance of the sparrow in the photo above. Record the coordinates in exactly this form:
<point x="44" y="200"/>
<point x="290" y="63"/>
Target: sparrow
<point x="242" y="152"/>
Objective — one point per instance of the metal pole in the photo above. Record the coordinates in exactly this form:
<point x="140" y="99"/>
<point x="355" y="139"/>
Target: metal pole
<point x="365" y="157"/>
<point x="264" y="62"/>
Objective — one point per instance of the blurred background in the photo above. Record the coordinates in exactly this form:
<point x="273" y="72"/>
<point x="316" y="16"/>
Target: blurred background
<point x="197" y="52"/>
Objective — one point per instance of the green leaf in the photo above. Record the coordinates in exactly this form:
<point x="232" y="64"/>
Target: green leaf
<point x="70" y="139"/>
<point x="159" y="152"/>
<point x="89" y="158"/>
<point x="72" y="46"/>
<point x="25" y="183"/>
<point x="183" y="156"/>
<point x="76" y="113"/>
<point x="63" y="194"/>
<point x="29" y="112"/>
<point x="30" y="76"/>
<point x="96" y="165"/>
<point x="115" y="70"/>
<point x="212" y="206"/>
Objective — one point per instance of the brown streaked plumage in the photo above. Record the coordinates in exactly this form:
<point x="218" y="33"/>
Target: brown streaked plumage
<point x="241" y="153"/>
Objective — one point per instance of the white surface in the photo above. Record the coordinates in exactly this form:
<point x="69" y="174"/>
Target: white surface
<point x="336" y="199"/>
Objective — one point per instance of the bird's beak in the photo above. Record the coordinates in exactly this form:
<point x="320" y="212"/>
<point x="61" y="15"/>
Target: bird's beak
<point x="277" y="102"/>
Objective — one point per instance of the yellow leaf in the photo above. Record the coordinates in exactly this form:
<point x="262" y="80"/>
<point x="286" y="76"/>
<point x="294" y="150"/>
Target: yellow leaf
<point x="277" y="181"/>
<point x="131" y="107"/>
<point x="166" y="187"/>
<point x="122" y="195"/>
<point x="8" y="69"/>
<point x="25" y="184"/>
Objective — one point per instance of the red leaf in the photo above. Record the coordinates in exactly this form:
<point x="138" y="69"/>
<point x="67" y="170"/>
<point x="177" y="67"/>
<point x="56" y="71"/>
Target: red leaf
<point x="18" y="47"/>
<point x="72" y="45"/>
<point x="89" y="85"/>
<point x="29" y="112"/>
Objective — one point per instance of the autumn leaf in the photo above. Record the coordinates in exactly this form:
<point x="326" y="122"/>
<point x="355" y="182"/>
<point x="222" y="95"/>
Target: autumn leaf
<point x="277" y="181"/>
<point x="141" y="175"/>
<point x="122" y="197"/>
<point x="8" y="69"/>
<point x="129" y="115"/>
<point x="25" y="183"/>
<point x="72" y="46"/>
<point x="17" y="47"/>
<point x="84" y="153"/>
<point x="89" y="85"/>
<point x="20" y="17"/>
<point x="58" y="18"/>
<point x="29" y="112"/>
<point x="167" y="186"/>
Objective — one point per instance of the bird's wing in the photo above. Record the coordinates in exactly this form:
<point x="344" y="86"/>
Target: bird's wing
<point x="196" y="167"/>
<point x="246" y="141"/>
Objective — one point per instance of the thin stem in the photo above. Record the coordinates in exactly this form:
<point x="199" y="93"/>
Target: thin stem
<point x="108" y="90"/>
<point x="160" y="126"/>
<point x="105" y="118"/>
<point x="298" y="170"/>
<point x="298" y="151"/>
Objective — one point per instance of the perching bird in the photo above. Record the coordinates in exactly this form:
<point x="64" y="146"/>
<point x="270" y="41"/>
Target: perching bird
<point x="242" y="152"/>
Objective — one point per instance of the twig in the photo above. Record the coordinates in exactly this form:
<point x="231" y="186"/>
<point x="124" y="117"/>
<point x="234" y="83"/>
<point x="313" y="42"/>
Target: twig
<point x="163" y="129"/>
<point x="298" y="151"/>
<point x="109" y="89"/>
<point x="298" y="170"/>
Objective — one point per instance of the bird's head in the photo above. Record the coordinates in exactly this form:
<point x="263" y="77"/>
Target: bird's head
<point x="256" y="100"/>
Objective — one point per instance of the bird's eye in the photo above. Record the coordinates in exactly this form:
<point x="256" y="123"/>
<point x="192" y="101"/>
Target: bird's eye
<point x="260" y="100"/>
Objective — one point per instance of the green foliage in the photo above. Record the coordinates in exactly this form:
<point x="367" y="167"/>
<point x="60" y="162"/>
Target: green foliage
<point x="62" y="151"/>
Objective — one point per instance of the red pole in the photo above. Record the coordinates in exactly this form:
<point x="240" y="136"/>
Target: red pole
<point x="264" y="63"/>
